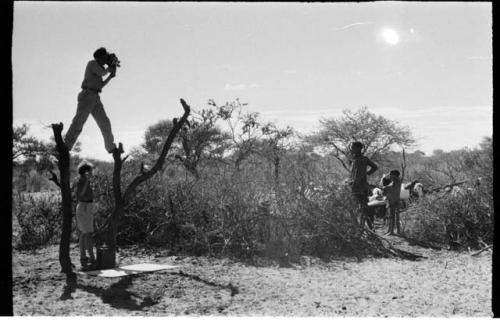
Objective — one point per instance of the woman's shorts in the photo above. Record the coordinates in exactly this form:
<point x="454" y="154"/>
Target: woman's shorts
<point x="85" y="217"/>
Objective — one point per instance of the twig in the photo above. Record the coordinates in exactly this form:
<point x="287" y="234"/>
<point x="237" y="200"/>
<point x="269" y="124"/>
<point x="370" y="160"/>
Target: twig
<point x="397" y="252"/>
<point x="437" y="189"/>
<point x="54" y="178"/>
<point x="419" y="242"/>
<point x="483" y="249"/>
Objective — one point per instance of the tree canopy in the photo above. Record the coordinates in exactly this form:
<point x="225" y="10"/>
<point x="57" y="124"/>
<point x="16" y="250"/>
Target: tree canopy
<point x="377" y="133"/>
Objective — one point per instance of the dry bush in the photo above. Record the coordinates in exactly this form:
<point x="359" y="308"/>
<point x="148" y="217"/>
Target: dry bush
<point x="38" y="219"/>
<point x="461" y="220"/>
<point x="242" y="211"/>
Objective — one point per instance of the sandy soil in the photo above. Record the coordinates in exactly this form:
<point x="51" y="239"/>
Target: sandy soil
<point x="445" y="284"/>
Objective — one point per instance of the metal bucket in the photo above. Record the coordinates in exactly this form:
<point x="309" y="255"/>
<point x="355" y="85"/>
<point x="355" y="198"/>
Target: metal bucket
<point x="105" y="258"/>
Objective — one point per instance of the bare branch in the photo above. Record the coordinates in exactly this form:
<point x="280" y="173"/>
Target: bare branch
<point x="54" y="178"/>
<point x="483" y="249"/>
<point x="161" y="159"/>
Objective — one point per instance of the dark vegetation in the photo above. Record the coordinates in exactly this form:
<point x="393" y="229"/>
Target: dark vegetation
<point x="233" y="185"/>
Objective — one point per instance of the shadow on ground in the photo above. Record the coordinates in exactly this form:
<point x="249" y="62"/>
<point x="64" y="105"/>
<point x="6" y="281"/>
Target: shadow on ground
<point x="118" y="294"/>
<point x="69" y="287"/>
<point x="232" y="289"/>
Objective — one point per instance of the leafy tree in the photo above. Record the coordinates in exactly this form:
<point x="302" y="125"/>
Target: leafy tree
<point x="377" y="133"/>
<point x="153" y="137"/>
<point x="199" y="141"/>
<point x="202" y="141"/>
<point x="276" y="143"/>
<point x="32" y="158"/>
<point x="244" y="130"/>
<point x="25" y="145"/>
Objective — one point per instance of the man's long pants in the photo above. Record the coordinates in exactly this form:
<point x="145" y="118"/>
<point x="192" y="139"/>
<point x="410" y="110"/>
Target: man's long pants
<point x="89" y="102"/>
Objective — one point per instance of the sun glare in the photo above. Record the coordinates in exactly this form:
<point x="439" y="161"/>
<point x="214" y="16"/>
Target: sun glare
<point x="390" y="36"/>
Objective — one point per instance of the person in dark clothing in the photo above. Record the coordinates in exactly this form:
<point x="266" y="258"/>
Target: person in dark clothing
<point x="358" y="178"/>
<point x="391" y="187"/>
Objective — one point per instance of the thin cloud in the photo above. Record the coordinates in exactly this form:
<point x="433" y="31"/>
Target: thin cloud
<point x="352" y="25"/>
<point x="240" y="86"/>
<point x="229" y="86"/>
<point x="303" y="114"/>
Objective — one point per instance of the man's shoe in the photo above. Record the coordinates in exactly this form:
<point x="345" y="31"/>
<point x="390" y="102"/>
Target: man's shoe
<point x="114" y="148"/>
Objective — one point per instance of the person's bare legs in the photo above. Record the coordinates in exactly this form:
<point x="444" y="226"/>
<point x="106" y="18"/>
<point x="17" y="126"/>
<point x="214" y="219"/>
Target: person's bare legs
<point x="90" y="246"/>
<point x="392" y="221"/>
<point x="364" y="215"/>
<point x="83" y="246"/>
<point x="398" y="223"/>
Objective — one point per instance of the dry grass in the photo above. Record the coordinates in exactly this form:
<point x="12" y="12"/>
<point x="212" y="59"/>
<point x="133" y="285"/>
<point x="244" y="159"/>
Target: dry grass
<point x="445" y="284"/>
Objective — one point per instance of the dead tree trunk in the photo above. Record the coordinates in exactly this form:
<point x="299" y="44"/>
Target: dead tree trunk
<point x="122" y="198"/>
<point x="64" y="185"/>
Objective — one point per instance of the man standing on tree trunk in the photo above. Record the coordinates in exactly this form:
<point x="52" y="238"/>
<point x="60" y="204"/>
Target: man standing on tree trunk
<point x="358" y="178"/>
<point x="89" y="101"/>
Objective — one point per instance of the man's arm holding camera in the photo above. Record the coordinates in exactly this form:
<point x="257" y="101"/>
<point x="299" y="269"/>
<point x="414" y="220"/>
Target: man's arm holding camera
<point x="112" y="74"/>
<point x="99" y="70"/>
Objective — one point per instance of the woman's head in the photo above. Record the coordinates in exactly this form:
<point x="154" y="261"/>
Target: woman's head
<point x="85" y="167"/>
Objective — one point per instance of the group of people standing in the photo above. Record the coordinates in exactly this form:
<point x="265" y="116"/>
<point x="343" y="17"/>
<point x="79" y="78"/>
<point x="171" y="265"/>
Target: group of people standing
<point x="390" y="184"/>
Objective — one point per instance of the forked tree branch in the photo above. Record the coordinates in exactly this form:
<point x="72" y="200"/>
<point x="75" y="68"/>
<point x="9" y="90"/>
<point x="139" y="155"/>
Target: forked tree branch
<point x="54" y="178"/>
<point x="161" y="159"/>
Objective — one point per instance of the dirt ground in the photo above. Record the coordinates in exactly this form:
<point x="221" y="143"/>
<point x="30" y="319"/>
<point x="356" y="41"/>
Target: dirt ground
<point x="445" y="284"/>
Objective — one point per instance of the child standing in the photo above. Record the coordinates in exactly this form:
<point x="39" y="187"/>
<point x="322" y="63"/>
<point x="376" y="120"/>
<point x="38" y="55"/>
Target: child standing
<point x="391" y="186"/>
<point x="85" y="216"/>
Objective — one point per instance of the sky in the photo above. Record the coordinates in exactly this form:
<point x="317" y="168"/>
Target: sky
<point x="427" y="65"/>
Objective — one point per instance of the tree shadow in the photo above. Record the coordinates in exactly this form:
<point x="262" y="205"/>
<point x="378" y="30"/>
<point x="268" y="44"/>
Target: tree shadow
<point x="69" y="287"/>
<point x="118" y="296"/>
<point x="232" y="289"/>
